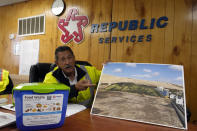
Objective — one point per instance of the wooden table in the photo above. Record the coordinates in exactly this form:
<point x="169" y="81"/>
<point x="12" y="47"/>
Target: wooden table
<point x="83" y="121"/>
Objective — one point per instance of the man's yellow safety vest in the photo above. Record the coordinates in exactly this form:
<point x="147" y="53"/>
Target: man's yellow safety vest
<point x="4" y="79"/>
<point x="84" y="97"/>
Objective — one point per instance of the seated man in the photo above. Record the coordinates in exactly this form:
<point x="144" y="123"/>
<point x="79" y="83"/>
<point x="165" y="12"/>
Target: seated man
<point x="6" y="84"/>
<point x="81" y="79"/>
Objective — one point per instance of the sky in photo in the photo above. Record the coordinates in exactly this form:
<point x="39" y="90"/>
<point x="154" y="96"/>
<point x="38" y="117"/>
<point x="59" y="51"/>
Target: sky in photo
<point x="153" y="72"/>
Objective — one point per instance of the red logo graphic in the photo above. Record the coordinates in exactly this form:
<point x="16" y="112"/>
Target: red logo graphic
<point x="72" y="26"/>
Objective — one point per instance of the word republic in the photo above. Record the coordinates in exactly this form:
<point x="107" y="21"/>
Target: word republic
<point x="132" y="25"/>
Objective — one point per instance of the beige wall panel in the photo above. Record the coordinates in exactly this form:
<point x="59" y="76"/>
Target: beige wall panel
<point x="101" y="12"/>
<point x="192" y="92"/>
<point x="157" y="43"/>
<point x="118" y="14"/>
<point x="142" y="50"/>
<point x="182" y="41"/>
<point x="169" y="31"/>
<point x="128" y="51"/>
<point x="8" y="61"/>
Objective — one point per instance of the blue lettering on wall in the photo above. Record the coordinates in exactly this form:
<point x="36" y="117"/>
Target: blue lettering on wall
<point x="133" y="25"/>
<point x="126" y="39"/>
<point x="142" y="25"/>
<point x="133" y="38"/>
<point x="107" y="40"/>
<point x="103" y="27"/>
<point x="113" y="40"/>
<point x="121" y="39"/>
<point x="148" y="38"/>
<point x="94" y="28"/>
<point x="152" y="23"/>
<point x="140" y="38"/>
<point x="159" y="22"/>
<point x="120" y="25"/>
<point x="112" y="25"/>
<point x="101" y="40"/>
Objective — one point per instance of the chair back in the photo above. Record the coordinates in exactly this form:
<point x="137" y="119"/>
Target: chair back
<point x="38" y="71"/>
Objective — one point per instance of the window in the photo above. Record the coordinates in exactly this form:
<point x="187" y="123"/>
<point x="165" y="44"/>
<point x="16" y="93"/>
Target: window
<point x="34" y="25"/>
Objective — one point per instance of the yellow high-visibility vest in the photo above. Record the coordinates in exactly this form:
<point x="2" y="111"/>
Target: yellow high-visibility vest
<point x="4" y="79"/>
<point x="83" y="96"/>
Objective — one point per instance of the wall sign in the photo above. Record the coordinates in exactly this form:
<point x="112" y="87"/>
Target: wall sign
<point x="161" y="22"/>
<point x="72" y="26"/>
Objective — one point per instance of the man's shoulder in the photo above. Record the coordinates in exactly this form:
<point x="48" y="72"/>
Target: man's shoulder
<point x="92" y="69"/>
<point x="86" y="66"/>
<point x="51" y="72"/>
<point x="49" y="78"/>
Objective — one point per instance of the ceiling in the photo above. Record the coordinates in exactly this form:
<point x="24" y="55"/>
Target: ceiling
<point x="9" y="2"/>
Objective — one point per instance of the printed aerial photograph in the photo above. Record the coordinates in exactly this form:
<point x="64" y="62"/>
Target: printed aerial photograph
<point x="148" y="93"/>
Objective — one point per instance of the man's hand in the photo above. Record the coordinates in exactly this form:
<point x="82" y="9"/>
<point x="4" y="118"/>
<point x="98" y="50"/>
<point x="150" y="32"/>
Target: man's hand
<point x="83" y="85"/>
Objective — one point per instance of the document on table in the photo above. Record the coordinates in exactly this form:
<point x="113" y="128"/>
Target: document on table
<point x="6" y="119"/>
<point x="8" y="107"/>
<point x="73" y="109"/>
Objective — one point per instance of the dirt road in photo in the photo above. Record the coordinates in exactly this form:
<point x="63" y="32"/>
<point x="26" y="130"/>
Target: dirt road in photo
<point x="136" y="107"/>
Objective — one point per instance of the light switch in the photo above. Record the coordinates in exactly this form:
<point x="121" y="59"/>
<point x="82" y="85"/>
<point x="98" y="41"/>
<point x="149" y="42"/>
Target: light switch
<point x="11" y="36"/>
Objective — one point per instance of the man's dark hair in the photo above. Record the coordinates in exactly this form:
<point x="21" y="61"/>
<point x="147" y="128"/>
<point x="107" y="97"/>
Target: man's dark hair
<point x="61" y="49"/>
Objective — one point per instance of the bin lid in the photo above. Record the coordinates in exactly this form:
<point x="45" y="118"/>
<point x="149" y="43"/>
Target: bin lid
<point x="41" y="87"/>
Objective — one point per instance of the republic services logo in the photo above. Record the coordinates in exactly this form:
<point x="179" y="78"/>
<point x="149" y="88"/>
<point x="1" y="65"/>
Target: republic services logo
<point x="72" y="26"/>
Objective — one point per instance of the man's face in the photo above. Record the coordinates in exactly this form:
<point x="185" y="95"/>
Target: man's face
<point x="66" y="62"/>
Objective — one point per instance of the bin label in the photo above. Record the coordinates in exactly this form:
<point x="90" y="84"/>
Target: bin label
<point x="42" y="109"/>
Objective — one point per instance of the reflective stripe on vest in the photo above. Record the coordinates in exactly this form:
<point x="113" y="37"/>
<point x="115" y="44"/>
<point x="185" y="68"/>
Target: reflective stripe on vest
<point x="88" y="102"/>
<point x="1" y="75"/>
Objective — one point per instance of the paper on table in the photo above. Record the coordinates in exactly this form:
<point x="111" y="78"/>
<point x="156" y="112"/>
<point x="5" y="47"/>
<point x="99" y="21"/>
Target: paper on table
<point x="6" y="119"/>
<point x="73" y="109"/>
<point x="8" y="107"/>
